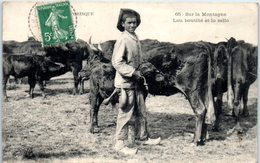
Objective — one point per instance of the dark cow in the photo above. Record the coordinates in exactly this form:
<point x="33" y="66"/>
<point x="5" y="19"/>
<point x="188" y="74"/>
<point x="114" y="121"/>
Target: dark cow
<point x="35" y="67"/>
<point x="187" y="68"/>
<point x="237" y="64"/>
<point x="173" y="56"/>
<point x="70" y="54"/>
<point x="242" y="73"/>
<point x="102" y="86"/>
<point x="29" y="47"/>
<point x="93" y="59"/>
<point x="220" y="66"/>
<point x="170" y="59"/>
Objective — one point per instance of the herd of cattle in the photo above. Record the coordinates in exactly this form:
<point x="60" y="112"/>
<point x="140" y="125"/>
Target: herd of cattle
<point x="202" y="71"/>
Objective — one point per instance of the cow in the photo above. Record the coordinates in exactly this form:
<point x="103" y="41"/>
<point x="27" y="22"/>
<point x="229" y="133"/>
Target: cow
<point x="70" y="54"/>
<point x="237" y="64"/>
<point x="36" y="68"/>
<point x="219" y="81"/>
<point x="29" y="47"/>
<point x="102" y="86"/>
<point x="186" y="67"/>
<point x="93" y="59"/>
<point x="242" y="72"/>
<point x="102" y="75"/>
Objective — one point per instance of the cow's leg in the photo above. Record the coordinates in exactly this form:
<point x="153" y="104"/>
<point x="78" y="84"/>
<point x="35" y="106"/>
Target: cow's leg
<point x="198" y="130"/>
<point x="218" y="104"/>
<point x="114" y="109"/>
<point x="237" y="99"/>
<point x="203" y="133"/>
<point x="218" y="111"/>
<point x="17" y="80"/>
<point x="44" y="83"/>
<point x="75" y="72"/>
<point x="81" y="83"/>
<point x="199" y="111"/>
<point x="41" y="85"/>
<point x="5" y="79"/>
<point x="245" y="99"/>
<point x="32" y="82"/>
<point x="95" y="102"/>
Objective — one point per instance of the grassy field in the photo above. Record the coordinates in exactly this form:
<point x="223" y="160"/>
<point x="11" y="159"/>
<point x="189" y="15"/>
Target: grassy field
<point x="56" y="129"/>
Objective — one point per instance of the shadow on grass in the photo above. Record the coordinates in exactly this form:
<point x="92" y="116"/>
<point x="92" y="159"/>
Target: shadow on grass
<point x="68" y="90"/>
<point x="49" y="92"/>
<point x="172" y="125"/>
<point x="57" y="91"/>
<point x="168" y="125"/>
<point x="33" y="154"/>
<point x="12" y="87"/>
<point x="60" y="81"/>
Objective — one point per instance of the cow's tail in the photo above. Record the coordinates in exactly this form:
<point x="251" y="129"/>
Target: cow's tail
<point x="230" y="94"/>
<point x="210" y="114"/>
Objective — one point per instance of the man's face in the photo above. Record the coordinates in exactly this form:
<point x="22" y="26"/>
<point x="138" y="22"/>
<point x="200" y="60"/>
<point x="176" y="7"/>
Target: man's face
<point x="130" y="24"/>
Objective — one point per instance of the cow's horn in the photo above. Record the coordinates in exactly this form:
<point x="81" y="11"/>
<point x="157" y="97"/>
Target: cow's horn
<point x="89" y="41"/>
<point x="91" y="45"/>
<point x="99" y="47"/>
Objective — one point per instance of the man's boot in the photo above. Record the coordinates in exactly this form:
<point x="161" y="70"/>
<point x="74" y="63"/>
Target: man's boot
<point x="151" y="141"/>
<point x="122" y="148"/>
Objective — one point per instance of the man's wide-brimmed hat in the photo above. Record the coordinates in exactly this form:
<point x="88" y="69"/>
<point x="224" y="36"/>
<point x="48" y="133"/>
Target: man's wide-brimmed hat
<point x="127" y="12"/>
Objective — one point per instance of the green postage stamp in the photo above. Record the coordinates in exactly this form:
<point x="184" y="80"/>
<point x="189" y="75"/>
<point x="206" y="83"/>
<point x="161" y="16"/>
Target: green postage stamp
<point x="56" y="23"/>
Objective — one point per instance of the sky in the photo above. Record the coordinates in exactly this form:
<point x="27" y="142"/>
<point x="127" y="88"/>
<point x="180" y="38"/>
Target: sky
<point x="159" y="21"/>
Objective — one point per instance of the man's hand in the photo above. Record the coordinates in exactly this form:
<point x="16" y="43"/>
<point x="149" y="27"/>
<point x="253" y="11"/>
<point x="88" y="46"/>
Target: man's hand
<point x="138" y="77"/>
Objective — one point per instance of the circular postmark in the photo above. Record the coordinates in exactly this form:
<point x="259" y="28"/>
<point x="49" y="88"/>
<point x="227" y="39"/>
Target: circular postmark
<point x="33" y="21"/>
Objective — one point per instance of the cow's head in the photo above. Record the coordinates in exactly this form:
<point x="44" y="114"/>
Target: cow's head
<point x="167" y="62"/>
<point x="79" y="48"/>
<point x="51" y="69"/>
<point x="97" y="53"/>
<point x="220" y="62"/>
<point x="153" y="76"/>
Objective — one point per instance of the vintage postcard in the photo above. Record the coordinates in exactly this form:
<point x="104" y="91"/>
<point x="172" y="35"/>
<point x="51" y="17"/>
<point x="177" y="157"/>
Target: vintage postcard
<point x="129" y="81"/>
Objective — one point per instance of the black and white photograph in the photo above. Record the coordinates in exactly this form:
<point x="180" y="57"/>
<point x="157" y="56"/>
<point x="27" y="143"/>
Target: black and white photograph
<point x="115" y="81"/>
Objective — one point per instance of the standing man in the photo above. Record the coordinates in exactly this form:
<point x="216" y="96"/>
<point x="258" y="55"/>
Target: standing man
<point x="127" y="56"/>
